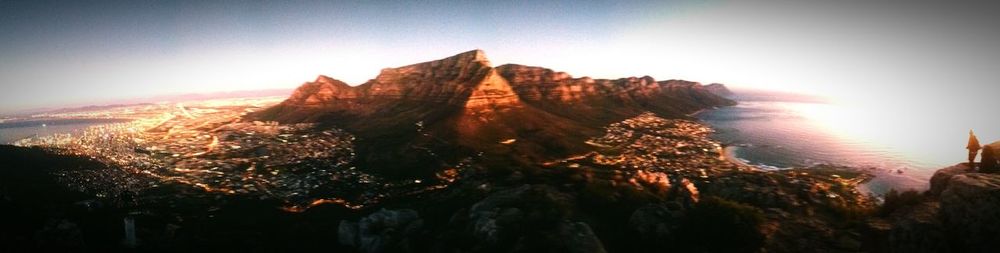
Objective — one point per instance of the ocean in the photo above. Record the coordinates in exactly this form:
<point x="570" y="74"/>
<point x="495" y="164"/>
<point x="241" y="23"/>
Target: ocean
<point x="778" y="131"/>
<point x="14" y="131"/>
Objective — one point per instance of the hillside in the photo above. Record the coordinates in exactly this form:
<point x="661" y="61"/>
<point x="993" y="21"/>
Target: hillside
<point x="417" y="119"/>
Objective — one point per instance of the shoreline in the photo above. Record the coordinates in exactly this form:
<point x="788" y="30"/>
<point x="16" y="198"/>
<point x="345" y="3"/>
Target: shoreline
<point x="729" y="154"/>
<point x="695" y="113"/>
<point x="863" y="185"/>
<point x="891" y="169"/>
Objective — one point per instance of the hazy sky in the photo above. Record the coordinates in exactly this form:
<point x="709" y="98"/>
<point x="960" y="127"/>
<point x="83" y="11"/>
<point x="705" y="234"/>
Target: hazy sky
<point x="902" y="53"/>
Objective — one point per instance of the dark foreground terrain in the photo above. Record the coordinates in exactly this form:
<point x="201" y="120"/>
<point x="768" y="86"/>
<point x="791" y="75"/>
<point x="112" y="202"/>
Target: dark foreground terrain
<point x="804" y="210"/>
<point x="486" y="211"/>
<point x="40" y="213"/>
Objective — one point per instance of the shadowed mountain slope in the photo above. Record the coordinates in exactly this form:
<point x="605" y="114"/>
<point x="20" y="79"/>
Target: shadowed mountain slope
<point x="417" y="119"/>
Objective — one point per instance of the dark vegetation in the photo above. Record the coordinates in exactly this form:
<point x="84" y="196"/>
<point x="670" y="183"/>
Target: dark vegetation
<point x="719" y="225"/>
<point x="532" y="212"/>
<point x="44" y="216"/>
<point x="895" y="200"/>
<point x="35" y="209"/>
<point x="38" y="214"/>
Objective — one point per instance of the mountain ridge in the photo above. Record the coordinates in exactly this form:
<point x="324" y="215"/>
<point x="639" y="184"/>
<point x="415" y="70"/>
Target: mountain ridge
<point x="422" y="117"/>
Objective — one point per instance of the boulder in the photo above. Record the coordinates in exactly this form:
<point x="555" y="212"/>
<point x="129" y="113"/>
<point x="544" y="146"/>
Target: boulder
<point x="970" y="211"/>
<point x="918" y="230"/>
<point x="940" y="179"/>
<point x="382" y="231"/>
<point x="577" y="237"/>
<point x="656" y="222"/>
<point x="485" y="213"/>
<point x="527" y="219"/>
<point x="961" y="215"/>
<point x="875" y="235"/>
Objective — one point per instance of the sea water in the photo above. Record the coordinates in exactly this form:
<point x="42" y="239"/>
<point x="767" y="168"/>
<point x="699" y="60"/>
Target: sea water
<point x="14" y="131"/>
<point x="778" y="131"/>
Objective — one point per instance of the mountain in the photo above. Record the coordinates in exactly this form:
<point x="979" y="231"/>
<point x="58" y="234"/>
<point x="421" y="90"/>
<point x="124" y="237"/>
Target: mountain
<point x="719" y="89"/>
<point x="417" y="119"/>
<point x="603" y="100"/>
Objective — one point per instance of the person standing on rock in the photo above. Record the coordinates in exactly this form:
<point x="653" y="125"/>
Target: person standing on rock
<point x="973" y="148"/>
<point x="988" y="164"/>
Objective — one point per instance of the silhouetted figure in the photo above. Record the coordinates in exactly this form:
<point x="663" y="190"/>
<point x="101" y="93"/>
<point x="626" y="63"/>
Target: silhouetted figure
<point x="988" y="164"/>
<point x="973" y="148"/>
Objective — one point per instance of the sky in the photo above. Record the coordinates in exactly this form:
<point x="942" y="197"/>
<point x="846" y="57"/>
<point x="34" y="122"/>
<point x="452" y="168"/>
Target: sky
<point x="902" y="54"/>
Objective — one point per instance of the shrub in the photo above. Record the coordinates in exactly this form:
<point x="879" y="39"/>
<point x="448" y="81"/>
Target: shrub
<point x="895" y="200"/>
<point x="719" y="225"/>
<point x="850" y="213"/>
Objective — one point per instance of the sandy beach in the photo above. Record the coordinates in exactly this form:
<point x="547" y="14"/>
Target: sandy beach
<point x="729" y="154"/>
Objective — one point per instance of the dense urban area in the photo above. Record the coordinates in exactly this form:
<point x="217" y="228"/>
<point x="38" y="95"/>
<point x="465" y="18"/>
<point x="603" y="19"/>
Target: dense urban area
<point x="206" y="146"/>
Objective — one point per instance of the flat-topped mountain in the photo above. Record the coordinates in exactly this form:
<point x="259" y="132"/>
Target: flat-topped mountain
<point x="466" y="79"/>
<point x="426" y="116"/>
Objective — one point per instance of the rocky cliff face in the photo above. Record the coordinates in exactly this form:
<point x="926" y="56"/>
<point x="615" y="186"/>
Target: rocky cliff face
<point x="970" y="212"/>
<point x="461" y="105"/>
<point x="602" y="99"/>
<point x="468" y="80"/>
<point x="961" y="213"/>
<point x="452" y="80"/>
<point x="463" y="80"/>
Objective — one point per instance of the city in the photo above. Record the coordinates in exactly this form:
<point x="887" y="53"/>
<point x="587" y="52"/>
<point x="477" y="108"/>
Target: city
<point x="205" y="145"/>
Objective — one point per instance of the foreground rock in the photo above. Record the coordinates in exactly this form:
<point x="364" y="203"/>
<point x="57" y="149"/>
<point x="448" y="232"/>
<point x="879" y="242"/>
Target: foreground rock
<point x="941" y="178"/>
<point x="382" y="231"/>
<point x="960" y="213"/>
<point x="970" y="211"/>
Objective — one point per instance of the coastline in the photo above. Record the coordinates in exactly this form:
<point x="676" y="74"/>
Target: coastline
<point x="695" y="113"/>
<point x="726" y="152"/>
<point x="729" y="154"/>
<point x="878" y="184"/>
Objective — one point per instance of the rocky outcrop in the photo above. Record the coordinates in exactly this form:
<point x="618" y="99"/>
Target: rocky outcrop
<point x="960" y="214"/>
<point x="918" y="230"/>
<point x="654" y="222"/>
<point x="382" y="231"/>
<point x="525" y="219"/>
<point x="577" y="237"/>
<point x="970" y="211"/>
<point x="939" y="182"/>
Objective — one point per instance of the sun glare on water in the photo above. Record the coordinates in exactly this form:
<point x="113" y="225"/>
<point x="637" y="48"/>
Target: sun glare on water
<point x="917" y="137"/>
